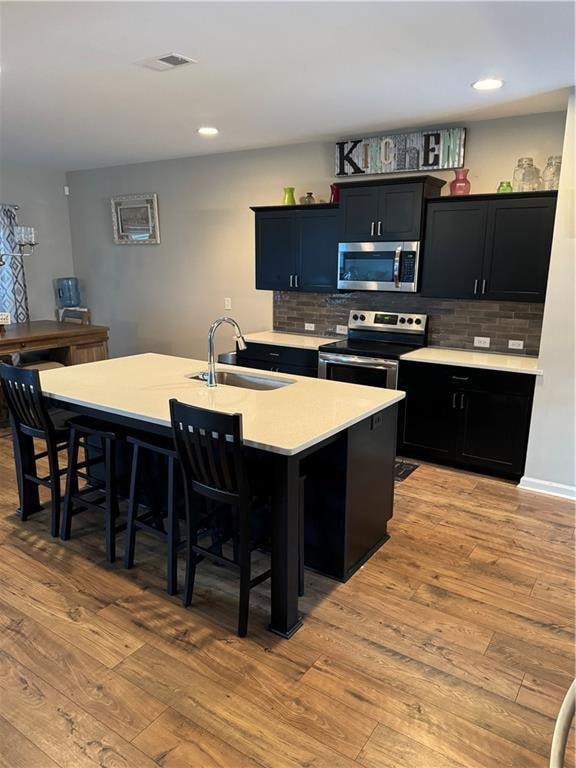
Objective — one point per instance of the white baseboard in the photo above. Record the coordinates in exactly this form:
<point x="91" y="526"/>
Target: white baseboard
<point x="545" y="486"/>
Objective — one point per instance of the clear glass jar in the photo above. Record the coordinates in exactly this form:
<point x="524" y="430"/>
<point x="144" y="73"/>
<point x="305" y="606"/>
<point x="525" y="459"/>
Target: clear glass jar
<point x="526" y="176"/>
<point x="551" y="174"/>
<point x="309" y="199"/>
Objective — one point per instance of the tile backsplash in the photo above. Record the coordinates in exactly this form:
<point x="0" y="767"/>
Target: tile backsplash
<point x="451" y="322"/>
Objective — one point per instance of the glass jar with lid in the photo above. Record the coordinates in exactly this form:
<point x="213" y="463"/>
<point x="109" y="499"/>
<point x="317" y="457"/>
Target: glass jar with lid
<point x="526" y="176"/>
<point x="551" y="174"/>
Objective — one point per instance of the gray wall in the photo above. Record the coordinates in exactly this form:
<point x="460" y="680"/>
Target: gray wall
<point x="551" y="460"/>
<point x="40" y="194"/>
<point x="162" y="298"/>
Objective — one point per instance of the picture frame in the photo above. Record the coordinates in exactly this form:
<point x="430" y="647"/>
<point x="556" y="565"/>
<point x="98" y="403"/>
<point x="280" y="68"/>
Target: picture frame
<point x="135" y="219"/>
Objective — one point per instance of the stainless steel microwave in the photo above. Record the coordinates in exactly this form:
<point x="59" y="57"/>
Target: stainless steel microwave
<point x="378" y="266"/>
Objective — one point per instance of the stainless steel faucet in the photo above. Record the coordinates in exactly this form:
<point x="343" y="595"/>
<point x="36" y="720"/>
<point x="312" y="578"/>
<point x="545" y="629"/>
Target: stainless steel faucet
<point x="238" y="337"/>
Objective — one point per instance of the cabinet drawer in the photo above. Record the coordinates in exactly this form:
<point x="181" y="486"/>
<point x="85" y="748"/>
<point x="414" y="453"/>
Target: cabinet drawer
<point x="275" y="367"/>
<point x="278" y="355"/>
<point x="460" y="377"/>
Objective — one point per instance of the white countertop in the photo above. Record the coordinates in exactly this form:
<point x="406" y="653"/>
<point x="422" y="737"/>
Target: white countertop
<point x="302" y="341"/>
<point x="468" y="358"/>
<point x="285" y="420"/>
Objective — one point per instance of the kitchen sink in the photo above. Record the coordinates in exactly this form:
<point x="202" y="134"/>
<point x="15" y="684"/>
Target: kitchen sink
<point x="244" y="380"/>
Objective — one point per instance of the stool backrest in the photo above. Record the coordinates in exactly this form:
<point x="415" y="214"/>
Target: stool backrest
<point x="209" y="448"/>
<point x="23" y="395"/>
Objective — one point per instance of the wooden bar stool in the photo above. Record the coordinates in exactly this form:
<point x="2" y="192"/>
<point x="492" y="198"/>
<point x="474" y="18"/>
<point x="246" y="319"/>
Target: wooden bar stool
<point x="99" y="446"/>
<point x="31" y="419"/>
<point x="151" y="518"/>
<point x="214" y="467"/>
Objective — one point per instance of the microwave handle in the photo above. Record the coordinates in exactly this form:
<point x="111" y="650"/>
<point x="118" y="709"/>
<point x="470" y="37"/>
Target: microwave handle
<point x="397" y="255"/>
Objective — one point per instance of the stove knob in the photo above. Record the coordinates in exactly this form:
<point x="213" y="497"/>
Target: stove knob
<point x="354" y="317"/>
<point x="362" y="317"/>
<point x="402" y="320"/>
<point x="418" y="321"/>
<point x="410" y="321"/>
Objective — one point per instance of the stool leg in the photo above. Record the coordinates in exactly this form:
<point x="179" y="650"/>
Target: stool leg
<point x="245" y="571"/>
<point x="301" y="497"/>
<point x="132" y="510"/>
<point x="55" y="492"/>
<point x="172" y="577"/>
<point x="25" y="465"/>
<point x="191" y="559"/>
<point x="71" y="484"/>
<point x="111" y="501"/>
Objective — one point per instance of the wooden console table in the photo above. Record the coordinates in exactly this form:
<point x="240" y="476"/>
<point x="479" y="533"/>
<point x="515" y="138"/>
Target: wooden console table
<point x="68" y="343"/>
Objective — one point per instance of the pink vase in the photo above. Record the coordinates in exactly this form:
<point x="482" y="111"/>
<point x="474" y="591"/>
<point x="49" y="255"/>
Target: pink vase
<point x="460" y="185"/>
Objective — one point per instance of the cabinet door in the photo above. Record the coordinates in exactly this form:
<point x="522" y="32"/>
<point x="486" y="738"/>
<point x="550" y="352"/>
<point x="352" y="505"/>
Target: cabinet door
<point x="276" y="250"/>
<point x="518" y="243"/>
<point x="359" y="214"/>
<point x="400" y="212"/>
<point x="429" y="419"/>
<point x="454" y="249"/>
<point x="494" y="430"/>
<point x="318" y="267"/>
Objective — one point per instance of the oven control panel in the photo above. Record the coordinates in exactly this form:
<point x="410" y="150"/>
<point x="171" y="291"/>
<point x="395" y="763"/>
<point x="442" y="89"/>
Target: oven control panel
<point x="387" y="321"/>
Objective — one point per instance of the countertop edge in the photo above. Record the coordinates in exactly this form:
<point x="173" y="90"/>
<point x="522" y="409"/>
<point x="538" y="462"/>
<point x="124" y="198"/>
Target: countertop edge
<point x="495" y="366"/>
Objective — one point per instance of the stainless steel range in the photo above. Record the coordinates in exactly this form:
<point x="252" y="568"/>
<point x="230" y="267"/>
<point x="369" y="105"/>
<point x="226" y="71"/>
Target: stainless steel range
<point x="375" y="342"/>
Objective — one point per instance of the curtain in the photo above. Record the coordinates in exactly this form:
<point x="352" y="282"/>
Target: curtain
<point x="13" y="294"/>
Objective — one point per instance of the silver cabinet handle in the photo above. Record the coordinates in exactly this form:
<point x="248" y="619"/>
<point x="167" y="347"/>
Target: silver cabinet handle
<point x="291" y="281"/>
<point x="372" y="229"/>
<point x="273" y="354"/>
<point x="462" y="402"/>
<point x="296" y="281"/>
<point x="397" y="255"/>
<point x="460" y="378"/>
<point x="379" y="229"/>
<point x="454" y="400"/>
<point x="483" y="287"/>
<point x="475" y="287"/>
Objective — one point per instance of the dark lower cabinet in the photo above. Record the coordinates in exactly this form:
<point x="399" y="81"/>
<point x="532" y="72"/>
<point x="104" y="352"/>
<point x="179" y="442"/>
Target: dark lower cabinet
<point x="465" y="416"/>
<point x="280" y="359"/>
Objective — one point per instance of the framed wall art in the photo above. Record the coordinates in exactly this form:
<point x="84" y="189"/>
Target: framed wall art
<point x="135" y="219"/>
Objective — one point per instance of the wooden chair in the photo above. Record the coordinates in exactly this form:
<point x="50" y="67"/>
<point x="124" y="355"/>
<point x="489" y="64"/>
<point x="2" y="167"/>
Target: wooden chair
<point x="214" y="467"/>
<point x="31" y="419"/>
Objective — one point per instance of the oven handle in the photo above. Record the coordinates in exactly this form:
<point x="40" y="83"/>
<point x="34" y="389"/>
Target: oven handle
<point x="397" y="255"/>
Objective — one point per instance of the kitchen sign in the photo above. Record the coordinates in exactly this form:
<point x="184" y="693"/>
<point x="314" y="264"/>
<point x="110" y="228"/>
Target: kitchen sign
<point x="438" y="150"/>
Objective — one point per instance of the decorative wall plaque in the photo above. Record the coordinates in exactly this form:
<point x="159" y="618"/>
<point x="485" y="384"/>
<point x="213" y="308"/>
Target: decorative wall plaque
<point x="434" y="150"/>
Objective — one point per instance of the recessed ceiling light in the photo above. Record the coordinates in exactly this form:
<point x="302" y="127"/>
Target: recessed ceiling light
<point x="488" y="84"/>
<point x="207" y="130"/>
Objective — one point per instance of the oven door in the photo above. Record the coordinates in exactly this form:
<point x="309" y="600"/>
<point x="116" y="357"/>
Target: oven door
<point x="368" y="371"/>
<point x="378" y="266"/>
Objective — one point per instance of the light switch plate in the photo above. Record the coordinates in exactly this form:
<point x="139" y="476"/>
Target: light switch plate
<point x="309" y="326"/>
<point x="342" y="329"/>
<point x="5" y="318"/>
<point x="227" y="303"/>
<point x="482" y="341"/>
<point x="515" y="344"/>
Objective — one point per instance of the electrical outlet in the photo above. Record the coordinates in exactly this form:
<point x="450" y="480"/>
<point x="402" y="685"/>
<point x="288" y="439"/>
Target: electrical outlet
<point x="309" y="326"/>
<point x="227" y="303"/>
<point x="515" y="344"/>
<point x="342" y="329"/>
<point x="5" y="318"/>
<point x="482" y="341"/>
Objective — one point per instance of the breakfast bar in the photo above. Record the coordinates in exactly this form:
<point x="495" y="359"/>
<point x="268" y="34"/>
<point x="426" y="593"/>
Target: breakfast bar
<point x="341" y="435"/>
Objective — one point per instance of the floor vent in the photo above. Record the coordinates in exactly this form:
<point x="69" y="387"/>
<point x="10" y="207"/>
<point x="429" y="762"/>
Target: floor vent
<point x="166" y="61"/>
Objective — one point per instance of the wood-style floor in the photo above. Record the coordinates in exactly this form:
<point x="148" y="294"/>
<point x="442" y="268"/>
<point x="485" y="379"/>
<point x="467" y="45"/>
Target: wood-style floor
<point x="451" y="648"/>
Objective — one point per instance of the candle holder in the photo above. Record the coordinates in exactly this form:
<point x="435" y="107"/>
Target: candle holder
<point x="25" y="242"/>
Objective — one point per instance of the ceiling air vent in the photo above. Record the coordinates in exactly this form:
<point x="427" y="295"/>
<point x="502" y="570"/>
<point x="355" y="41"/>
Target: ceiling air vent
<point x="166" y="61"/>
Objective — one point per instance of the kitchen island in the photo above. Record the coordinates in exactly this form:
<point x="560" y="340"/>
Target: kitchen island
<point x="341" y="437"/>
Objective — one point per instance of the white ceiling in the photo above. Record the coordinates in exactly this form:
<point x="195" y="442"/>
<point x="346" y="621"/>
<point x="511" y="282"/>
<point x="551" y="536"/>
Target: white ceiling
<point x="268" y="73"/>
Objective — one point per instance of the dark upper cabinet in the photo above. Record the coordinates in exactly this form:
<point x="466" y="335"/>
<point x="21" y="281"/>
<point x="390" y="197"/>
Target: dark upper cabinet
<point x="454" y="249"/>
<point x="465" y="416"/>
<point x="297" y="249"/>
<point x="493" y="247"/>
<point x="385" y="210"/>
<point x="276" y="244"/>
<point x="318" y="250"/>
<point x="518" y="243"/>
